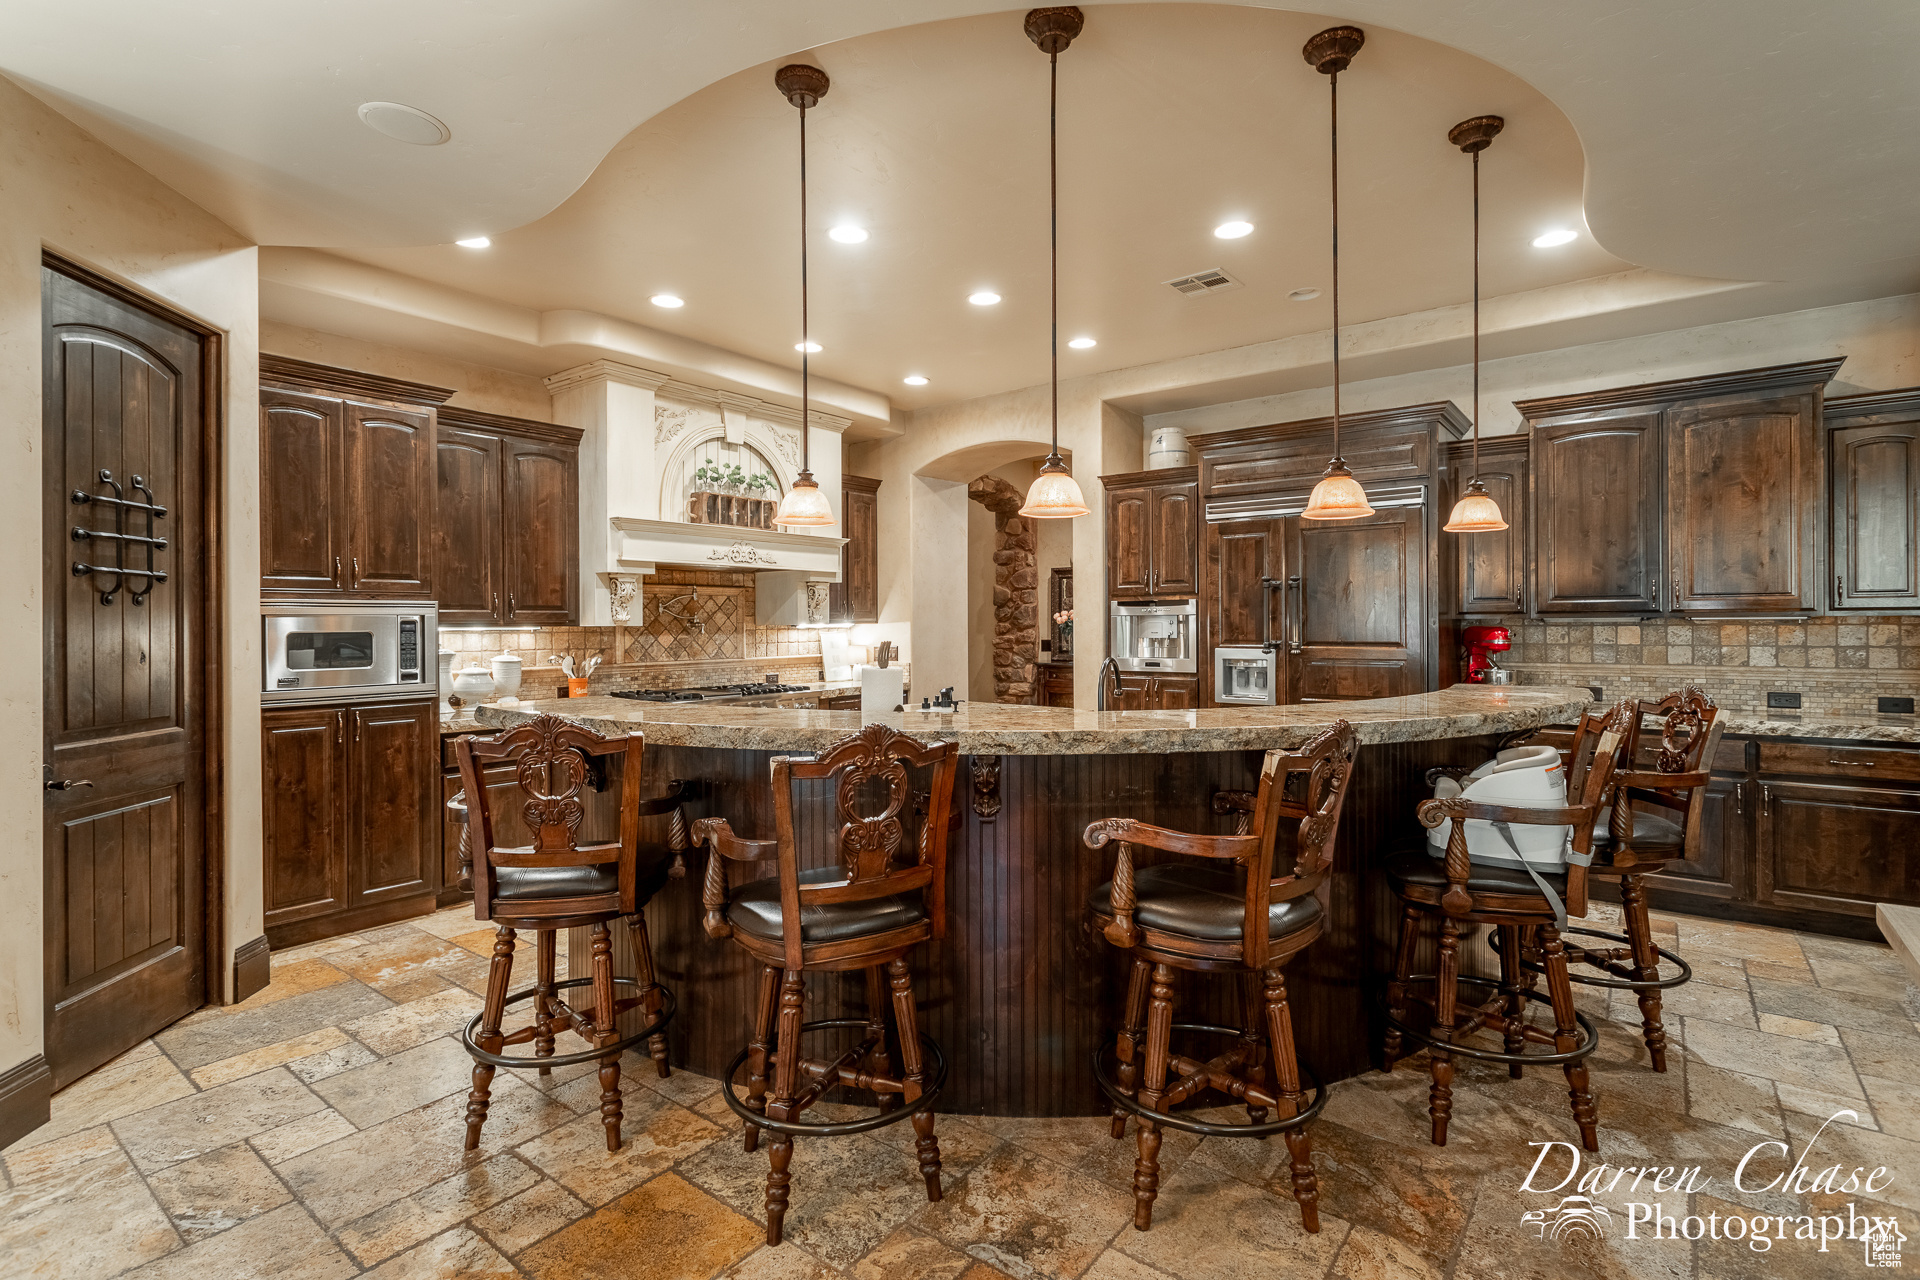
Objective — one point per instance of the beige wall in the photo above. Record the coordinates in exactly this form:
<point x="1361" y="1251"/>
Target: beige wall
<point x="61" y="191"/>
<point x="475" y="386"/>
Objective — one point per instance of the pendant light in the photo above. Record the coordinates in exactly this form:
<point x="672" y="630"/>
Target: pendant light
<point x="1338" y="496"/>
<point x="1476" y="512"/>
<point x="1054" y="495"/>
<point x="804" y="504"/>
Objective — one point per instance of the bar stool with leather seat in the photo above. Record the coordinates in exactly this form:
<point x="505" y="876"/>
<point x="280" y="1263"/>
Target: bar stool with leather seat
<point x="880" y="893"/>
<point x="553" y="883"/>
<point x="1671" y="777"/>
<point x="1513" y="899"/>
<point x="1230" y="915"/>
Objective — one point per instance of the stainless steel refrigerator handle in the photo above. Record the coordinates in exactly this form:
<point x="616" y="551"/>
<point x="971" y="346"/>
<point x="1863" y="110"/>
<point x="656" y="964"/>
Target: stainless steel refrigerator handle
<point x="1297" y="617"/>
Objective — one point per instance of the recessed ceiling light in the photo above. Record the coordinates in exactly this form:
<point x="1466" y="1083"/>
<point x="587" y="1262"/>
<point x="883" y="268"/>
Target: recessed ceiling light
<point x="1233" y="230"/>
<point x="474" y="242"/>
<point x="667" y="300"/>
<point x="1081" y="344"/>
<point x="847" y="233"/>
<point x="1304" y="295"/>
<point x="404" y="123"/>
<point x="914" y="380"/>
<point x="984" y="298"/>
<point x="808" y="347"/>
<point x="1554" y="239"/>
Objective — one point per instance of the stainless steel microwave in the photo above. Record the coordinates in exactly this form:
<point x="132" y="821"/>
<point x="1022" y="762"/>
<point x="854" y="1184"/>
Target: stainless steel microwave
<point x="337" y="650"/>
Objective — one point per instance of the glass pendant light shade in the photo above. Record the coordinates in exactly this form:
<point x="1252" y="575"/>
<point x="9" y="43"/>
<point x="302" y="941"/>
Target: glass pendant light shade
<point x="1054" y="494"/>
<point x="1338" y="496"/>
<point x="804" y="504"/>
<point x="1476" y="512"/>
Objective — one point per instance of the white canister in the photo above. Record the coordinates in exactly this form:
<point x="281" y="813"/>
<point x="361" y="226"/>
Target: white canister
<point x="474" y="684"/>
<point x="446" y="680"/>
<point x="506" y="675"/>
<point x="1167" y="447"/>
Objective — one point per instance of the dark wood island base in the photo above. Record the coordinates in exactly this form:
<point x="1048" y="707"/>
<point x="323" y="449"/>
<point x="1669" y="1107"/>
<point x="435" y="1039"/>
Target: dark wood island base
<point x="1021" y="992"/>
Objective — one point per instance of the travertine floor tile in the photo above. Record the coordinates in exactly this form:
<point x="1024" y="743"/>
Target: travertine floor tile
<point x="1029" y="1216"/>
<point x="1800" y="1029"/>
<point x="115" y="1090"/>
<point x="1796" y="1062"/>
<point x="460" y="1252"/>
<point x="196" y="1042"/>
<point x="297" y="1137"/>
<point x="242" y="1065"/>
<point x="1115" y="1265"/>
<point x="395" y="959"/>
<point x="289" y="980"/>
<point x="344" y="1057"/>
<point x="203" y="1122"/>
<point x="654" y="1134"/>
<point x="206" y="1195"/>
<point x="1208" y="1225"/>
<point x="663" y="1230"/>
<point x="908" y="1252"/>
<point x="283" y="1243"/>
<point x="79" y="1208"/>
<point x="1885" y="1015"/>
<point x="400" y="1082"/>
<point x="388" y="1230"/>
<point x="531" y="1216"/>
<point x="1731" y="1098"/>
<point x="1895" y="1057"/>
<point x="786" y="1262"/>
<point x="1896" y="1104"/>
<point x="416" y="1022"/>
<point x="1372" y="1255"/>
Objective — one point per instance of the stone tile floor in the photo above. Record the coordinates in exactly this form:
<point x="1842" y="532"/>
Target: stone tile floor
<point x="315" y="1131"/>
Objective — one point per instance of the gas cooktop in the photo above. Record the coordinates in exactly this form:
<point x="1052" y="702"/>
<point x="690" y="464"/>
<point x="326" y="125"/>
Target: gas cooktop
<point x="659" y="695"/>
<point x="708" y="693"/>
<point x="752" y="690"/>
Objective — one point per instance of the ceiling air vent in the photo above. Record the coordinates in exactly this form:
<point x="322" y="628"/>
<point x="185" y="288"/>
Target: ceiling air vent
<point x="1212" y="280"/>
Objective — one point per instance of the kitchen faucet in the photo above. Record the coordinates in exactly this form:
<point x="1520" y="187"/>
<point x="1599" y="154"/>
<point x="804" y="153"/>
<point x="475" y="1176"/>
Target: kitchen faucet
<point x="1100" y="691"/>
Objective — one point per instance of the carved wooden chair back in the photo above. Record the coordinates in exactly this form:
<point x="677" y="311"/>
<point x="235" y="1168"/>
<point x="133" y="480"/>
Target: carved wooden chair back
<point x="868" y="845"/>
<point x="552" y="764"/>
<point x="1681" y="762"/>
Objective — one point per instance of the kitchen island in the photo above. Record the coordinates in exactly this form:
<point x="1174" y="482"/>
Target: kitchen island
<point x="1020" y="992"/>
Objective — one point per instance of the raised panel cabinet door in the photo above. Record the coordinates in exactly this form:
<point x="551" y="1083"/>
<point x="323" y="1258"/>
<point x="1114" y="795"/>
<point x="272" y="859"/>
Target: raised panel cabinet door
<point x="304" y="762"/>
<point x="1175" y="693"/>
<point x="1175" y="514"/>
<point x="466" y="529"/>
<point x="1722" y="863"/>
<point x="1239" y="608"/>
<point x="1133" y="692"/>
<point x="389" y="468"/>
<point x="1129" y="543"/>
<point x="1838" y="848"/>
<point x="1597" y="515"/>
<point x="1489" y="570"/>
<point x="303" y="531"/>
<point x="393" y="777"/>
<point x="1876" y="516"/>
<point x="1356" y="626"/>
<point x="1742" y="505"/>
<point x="860" y="558"/>
<point x="540" y="527"/>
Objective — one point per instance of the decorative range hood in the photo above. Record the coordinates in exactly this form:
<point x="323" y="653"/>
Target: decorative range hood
<point x="647" y="437"/>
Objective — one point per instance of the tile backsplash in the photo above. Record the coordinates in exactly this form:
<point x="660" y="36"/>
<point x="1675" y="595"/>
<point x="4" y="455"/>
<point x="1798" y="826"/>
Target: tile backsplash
<point x="1838" y="665"/>
<point x="723" y="644"/>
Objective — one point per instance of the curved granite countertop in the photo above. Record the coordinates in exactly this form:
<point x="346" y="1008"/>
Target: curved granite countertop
<point x="987" y="728"/>
<point x="1826" y="728"/>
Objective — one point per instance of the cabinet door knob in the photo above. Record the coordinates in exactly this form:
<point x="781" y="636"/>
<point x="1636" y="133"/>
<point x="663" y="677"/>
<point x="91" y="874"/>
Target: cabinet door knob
<point x="356" y="568"/>
<point x="67" y="784"/>
<point x="1839" y="589"/>
<point x="496" y="604"/>
<point x="512" y="608"/>
<point x="336" y="568"/>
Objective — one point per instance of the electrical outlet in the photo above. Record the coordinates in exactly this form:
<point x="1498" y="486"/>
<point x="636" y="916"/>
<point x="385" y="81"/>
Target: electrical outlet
<point x="1790" y="701"/>
<point x="1896" y="706"/>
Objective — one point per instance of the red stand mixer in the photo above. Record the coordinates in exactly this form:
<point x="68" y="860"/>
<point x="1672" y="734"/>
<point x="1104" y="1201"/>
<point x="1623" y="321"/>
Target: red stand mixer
<point x="1481" y="644"/>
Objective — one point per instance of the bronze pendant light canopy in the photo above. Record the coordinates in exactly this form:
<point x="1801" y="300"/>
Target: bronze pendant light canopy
<point x="1338" y="496"/>
<point x="1054" y="495"/>
<point x="1476" y="511"/>
<point x="804" y="504"/>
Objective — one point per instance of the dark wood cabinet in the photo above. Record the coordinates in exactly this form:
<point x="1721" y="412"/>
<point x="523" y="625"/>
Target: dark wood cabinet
<point x="1873" y="452"/>
<point x="856" y="597"/>
<point x="1357" y="622"/>
<point x="506" y="532"/>
<point x="1486" y="573"/>
<point x="1053" y="684"/>
<point x="1699" y="496"/>
<point x="1245" y="558"/>
<point x="347" y="486"/>
<point x="1837" y="847"/>
<point x="1153" y="524"/>
<point x="351" y="830"/>
<point x="1138" y="692"/>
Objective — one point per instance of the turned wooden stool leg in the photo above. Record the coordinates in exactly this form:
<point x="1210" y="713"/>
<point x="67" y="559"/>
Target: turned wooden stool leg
<point x="1514" y="1033"/>
<point x="1445" y="999"/>
<point x="1253" y="1038"/>
<point x="1566" y="1035"/>
<point x="499" y="972"/>
<point x="1646" y="966"/>
<point x="786" y="1083"/>
<point x="543" y="996"/>
<point x="907" y="1018"/>
<point x="654" y="995"/>
<point x="1133" y="1027"/>
<point x="1146" y="1166"/>
<point x="1286" y="1073"/>
<point x="1397" y="987"/>
<point x="758" y="1048"/>
<point x="606" y="1031"/>
<point x="880" y="1064"/>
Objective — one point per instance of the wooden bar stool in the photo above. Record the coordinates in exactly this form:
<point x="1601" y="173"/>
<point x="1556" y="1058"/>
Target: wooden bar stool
<point x="1462" y="892"/>
<point x="555" y="883"/>
<point x="1671" y="777"/>
<point x="882" y="894"/>
<point x="1230" y="915"/>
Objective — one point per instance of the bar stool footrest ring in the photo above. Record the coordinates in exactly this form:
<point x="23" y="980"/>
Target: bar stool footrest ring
<point x="1577" y="972"/>
<point x="1206" y="1128"/>
<point x="604" y="1052"/>
<point x="838" y="1128"/>
<point x="1590" y="1035"/>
